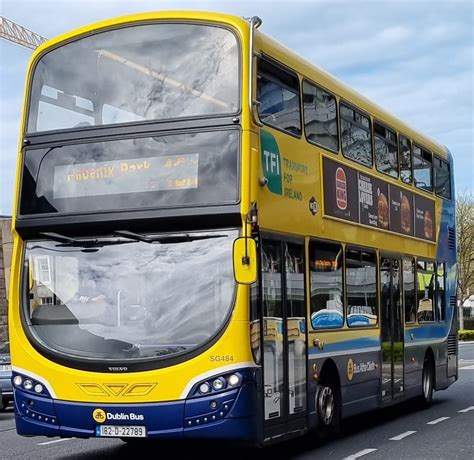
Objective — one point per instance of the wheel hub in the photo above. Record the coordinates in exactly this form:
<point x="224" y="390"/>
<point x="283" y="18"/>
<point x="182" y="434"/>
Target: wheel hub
<point x="326" y="405"/>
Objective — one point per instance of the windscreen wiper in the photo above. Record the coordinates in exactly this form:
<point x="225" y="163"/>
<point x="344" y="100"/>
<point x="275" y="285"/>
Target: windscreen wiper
<point x="81" y="242"/>
<point x="166" y="238"/>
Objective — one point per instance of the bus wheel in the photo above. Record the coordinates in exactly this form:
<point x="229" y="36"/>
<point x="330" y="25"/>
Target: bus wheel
<point x="328" y="409"/>
<point x="427" y="384"/>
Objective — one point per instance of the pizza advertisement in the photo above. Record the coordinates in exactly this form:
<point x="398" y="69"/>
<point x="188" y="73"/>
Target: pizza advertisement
<point x="362" y="198"/>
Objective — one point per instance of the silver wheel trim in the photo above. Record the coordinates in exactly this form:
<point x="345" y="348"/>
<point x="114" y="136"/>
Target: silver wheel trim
<point x="326" y="405"/>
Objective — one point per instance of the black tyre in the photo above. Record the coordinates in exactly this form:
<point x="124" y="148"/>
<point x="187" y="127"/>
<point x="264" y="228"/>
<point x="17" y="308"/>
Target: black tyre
<point x="427" y="384"/>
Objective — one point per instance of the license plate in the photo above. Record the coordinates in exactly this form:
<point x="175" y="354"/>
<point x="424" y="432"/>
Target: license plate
<point x="118" y="431"/>
<point x="5" y="367"/>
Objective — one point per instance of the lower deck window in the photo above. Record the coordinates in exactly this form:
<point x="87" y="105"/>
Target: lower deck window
<point x="425" y="290"/>
<point x="327" y="304"/>
<point x="361" y="288"/>
<point x="409" y="289"/>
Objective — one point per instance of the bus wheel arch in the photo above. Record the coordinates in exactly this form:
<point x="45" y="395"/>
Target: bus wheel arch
<point x="428" y="379"/>
<point x="328" y="400"/>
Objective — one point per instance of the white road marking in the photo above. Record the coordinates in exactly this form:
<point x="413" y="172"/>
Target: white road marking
<point x="438" y="420"/>
<point x="52" y="442"/>
<point x="467" y="409"/>
<point x="361" y="453"/>
<point x="403" y="435"/>
<point x="471" y="367"/>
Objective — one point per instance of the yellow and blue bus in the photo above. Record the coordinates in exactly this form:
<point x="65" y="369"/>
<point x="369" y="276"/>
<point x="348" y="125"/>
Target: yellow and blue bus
<point x="213" y="238"/>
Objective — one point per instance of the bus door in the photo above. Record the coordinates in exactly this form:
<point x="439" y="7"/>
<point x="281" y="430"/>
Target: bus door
<point x="391" y="329"/>
<point x="283" y="335"/>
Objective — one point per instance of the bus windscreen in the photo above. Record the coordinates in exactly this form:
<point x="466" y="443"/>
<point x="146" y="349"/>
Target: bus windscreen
<point x="136" y="73"/>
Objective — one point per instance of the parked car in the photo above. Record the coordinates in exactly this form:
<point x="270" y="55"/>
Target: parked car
<point x="5" y="375"/>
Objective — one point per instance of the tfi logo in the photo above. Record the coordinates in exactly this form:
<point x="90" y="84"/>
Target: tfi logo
<point x="271" y="162"/>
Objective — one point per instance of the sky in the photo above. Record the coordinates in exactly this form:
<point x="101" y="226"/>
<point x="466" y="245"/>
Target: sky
<point x="415" y="58"/>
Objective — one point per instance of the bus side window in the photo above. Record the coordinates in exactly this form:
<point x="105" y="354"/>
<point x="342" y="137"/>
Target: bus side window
<point x="442" y="178"/>
<point x="386" y="150"/>
<point x="409" y="293"/>
<point x="320" y="117"/>
<point x="440" y="291"/>
<point x="422" y="168"/>
<point x="327" y="304"/>
<point x="425" y="290"/>
<point x="278" y="96"/>
<point x="356" y="135"/>
<point x="406" y="173"/>
<point x="361" y="288"/>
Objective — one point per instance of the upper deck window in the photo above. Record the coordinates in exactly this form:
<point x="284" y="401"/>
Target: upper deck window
<point x="406" y="174"/>
<point x="356" y="135"/>
<point x="144" y="72"/>
<point x="422" y="168"/>
<point x="320" y="117"/>
<point x="386" y="159"/>
<point x="278" y="94"/>
<point x="442" y="178"/>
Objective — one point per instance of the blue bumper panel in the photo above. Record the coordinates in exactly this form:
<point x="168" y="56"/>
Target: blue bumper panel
<point x="234" y="417"/>
<point x="234" y="413"/>
<point x="35" y="415"/>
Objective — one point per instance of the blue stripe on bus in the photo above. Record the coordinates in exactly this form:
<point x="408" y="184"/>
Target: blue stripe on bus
<point x="351" y="346"/>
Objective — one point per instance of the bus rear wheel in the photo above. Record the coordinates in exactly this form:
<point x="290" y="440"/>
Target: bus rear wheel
<point x="328" y="410"/>
<point x="427" y="384"/>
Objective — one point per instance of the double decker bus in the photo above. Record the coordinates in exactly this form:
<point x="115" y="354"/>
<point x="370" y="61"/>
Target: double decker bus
<point x="214" y="238"/>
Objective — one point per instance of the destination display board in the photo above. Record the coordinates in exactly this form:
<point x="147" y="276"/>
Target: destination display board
<point x="362" y="198"/>
<point x="126" y="176"/>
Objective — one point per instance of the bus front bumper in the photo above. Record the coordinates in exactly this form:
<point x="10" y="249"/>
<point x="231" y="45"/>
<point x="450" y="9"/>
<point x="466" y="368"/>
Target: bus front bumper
<point x="227" y="415"/>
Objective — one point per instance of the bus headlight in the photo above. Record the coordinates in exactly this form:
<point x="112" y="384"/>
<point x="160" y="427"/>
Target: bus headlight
<point x="18" y="380"/>
<point x="27" y="384"/>
<point x="204" y="388"/>
<point x="219" y="383"/>
<point x="234" y="380"/>
<point x="38" y="388"/>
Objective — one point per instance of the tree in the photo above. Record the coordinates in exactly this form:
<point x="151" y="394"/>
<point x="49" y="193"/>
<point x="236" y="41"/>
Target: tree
<point x="465" y="240"/>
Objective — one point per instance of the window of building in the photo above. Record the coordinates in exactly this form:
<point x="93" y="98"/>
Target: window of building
<point x="361" y="288"/>
<point x="43" y="270"/>
<point x="406" y="174"/>
<point x="278" y="96"/>
<point x="425" y="290"/>
<point x="422" y="168"/>
<point x="442" y="178"/>
<point x="356" y="135"/>
<point x="440" y="291"/>
<point x="320" y="117"/>
<point x="386" y="151"/>
<point x="409" y="292"/>
<point x="327" y="304"/>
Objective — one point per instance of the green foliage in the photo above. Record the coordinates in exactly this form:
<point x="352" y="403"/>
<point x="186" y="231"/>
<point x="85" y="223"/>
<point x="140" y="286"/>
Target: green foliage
<point x="466" y="335"/>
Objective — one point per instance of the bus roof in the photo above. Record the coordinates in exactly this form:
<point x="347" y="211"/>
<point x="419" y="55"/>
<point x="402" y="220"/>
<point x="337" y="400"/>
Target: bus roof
<point x="277" y="51"/>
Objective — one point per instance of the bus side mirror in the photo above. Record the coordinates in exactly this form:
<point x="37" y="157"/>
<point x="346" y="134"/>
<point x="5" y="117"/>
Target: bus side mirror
<point x="245" y="260"/>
